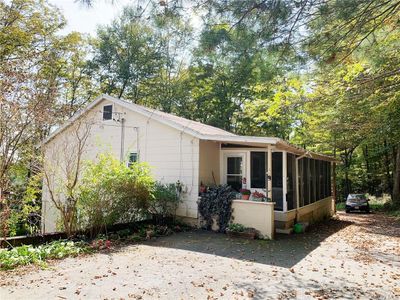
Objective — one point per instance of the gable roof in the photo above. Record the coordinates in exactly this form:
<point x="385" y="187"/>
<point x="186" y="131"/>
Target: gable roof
<point x="194" y="128"/>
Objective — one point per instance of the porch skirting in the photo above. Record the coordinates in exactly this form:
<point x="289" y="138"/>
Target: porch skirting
<point x="310" y="213"/>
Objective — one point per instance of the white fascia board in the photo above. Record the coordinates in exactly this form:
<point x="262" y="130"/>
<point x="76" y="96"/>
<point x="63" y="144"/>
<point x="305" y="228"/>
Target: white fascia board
<point x="241" y="139"/>
<point x="73" y="118"/>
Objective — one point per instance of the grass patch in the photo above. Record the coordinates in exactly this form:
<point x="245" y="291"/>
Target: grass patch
<point x="28" y="254"/>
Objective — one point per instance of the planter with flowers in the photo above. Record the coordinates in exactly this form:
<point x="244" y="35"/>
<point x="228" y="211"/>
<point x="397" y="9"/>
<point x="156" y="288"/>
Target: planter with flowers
<point x="239" y="230"/>
<point x="245" y="194"/>
<point x="259" y="197"/>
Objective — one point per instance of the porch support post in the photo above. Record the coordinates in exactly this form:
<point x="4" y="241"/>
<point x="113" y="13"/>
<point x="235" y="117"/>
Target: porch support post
<point x="284" y="179"/>
<point x="269" y="174"/>
<point x="297" y="183"/>
<point x="333" y="184"/>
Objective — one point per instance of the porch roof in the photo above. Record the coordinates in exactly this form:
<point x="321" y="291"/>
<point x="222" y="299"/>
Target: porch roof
<point x="258" y="141"/>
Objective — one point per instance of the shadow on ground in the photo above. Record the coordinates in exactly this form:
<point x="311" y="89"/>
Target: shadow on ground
<point x="284" y="251"/>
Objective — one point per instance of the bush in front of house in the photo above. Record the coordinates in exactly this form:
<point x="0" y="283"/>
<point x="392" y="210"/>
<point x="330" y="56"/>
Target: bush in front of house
<point x="164" y="202"/>
<point x="216" y="203"/>
<point x="111" y="192"/>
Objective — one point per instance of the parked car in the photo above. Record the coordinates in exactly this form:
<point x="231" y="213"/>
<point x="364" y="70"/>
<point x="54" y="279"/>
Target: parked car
<point x="356" y="202"/>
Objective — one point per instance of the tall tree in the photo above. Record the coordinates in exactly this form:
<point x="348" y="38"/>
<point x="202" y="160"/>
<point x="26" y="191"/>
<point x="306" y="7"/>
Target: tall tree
<point x="27" y="85"/>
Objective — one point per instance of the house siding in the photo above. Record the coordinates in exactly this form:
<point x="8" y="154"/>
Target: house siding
<point x="172" y="154"/>
<point x="209" y="162"/>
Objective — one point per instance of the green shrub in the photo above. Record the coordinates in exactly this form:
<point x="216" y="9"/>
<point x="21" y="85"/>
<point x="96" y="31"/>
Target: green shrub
<point x="112" y="192"/>
<point x="27" y="254"/>
<point x="165" y="200"/>
<point x="236" y="227"/>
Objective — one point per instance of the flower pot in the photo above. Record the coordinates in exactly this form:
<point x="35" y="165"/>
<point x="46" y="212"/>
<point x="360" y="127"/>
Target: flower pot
<point x="245" y="197"/>
<point x="249" y="233"/>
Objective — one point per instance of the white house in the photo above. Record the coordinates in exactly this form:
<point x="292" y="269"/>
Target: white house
<point x="297" y="181"/>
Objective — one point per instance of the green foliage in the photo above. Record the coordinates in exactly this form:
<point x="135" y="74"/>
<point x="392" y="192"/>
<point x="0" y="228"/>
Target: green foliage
<point x="112" y="192"/>
<point x="217" y="202"/>
<point x="27" y="254"/>
<point x="165" y="200"/>
<point x="236" y="227"/>
<point x="23" y="208"/>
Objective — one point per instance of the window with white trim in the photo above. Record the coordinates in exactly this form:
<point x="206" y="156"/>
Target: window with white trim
<point x="133" y="157"/>
<point x="234" y="171"/>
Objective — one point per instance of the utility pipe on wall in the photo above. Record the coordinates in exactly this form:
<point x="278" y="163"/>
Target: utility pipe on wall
<point x="122" y="139"/>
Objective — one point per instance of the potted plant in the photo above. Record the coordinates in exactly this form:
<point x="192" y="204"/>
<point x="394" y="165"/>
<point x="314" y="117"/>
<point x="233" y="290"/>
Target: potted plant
<point x="260" y="197"/>
<point x="245" y="194"/>
<point x="202" y="189"/>
<point x="239" y="230"/>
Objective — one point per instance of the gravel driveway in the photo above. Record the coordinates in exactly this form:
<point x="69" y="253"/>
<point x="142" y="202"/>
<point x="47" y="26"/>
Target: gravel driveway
<point x="352" y="256"/>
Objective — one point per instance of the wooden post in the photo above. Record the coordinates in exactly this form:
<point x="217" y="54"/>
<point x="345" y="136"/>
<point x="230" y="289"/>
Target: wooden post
<point x="333" y="186"/>
<point x="297" y="183"/>
<point x="269" y="174"/>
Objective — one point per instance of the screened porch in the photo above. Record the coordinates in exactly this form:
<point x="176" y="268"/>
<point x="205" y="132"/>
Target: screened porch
<point x="273" y="172"/>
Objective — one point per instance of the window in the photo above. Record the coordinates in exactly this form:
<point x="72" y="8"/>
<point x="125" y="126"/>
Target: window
<point x="107" y="112"/>
<point x="234" y="171"/>
<point x="133" y="157"/>
<point x="257" y="169"/>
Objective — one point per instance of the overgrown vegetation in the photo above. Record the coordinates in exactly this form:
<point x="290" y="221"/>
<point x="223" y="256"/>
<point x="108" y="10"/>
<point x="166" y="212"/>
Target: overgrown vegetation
<point x="164" y="202"/>
<point x="111" y="192"/>
<point x="27" y="254"/>
<point x="216" y="205"/>
<point x="236" y="227"/>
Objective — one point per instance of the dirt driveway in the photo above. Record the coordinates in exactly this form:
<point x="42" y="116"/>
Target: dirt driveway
<point x="354" y="256"/>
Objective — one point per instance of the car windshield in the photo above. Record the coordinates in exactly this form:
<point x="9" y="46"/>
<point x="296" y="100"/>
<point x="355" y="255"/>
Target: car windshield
<point x="357" y="197"/>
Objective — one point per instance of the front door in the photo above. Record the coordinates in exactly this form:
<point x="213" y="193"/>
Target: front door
<point x="234" y="170"/>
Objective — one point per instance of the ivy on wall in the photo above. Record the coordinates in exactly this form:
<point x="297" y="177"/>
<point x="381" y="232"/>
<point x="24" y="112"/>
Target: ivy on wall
<point x="216" y="202"/>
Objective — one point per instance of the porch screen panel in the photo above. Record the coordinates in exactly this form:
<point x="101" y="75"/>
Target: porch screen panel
<point x="291" y="182"/>
<point x="277" y="184"/>
<point x="324" y="178"/>
<point x="306" y="180"/>
<point x="327" y="175"/>
<point x="312" y="180"/>
<point x="318" y="187"/>
<point x="329" y="179"/>
<point x="321" y="180"/>
<point x="258" y="169"/>
<point x="301" y="182"/>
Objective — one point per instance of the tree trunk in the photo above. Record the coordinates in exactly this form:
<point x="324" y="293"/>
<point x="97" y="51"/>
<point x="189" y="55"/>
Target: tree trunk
<point x="396" y="185"/>
<point x="347" y="162"/>
<point x="370" y="187"/>
<point x="389" y="183"/>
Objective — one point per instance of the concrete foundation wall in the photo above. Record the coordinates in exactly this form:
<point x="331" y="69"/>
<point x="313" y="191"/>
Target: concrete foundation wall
<point x="258" y="215"/>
